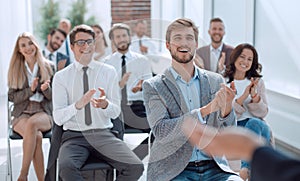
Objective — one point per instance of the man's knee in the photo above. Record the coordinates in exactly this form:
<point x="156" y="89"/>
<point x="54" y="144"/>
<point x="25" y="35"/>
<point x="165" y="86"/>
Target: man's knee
<point x="66" y="167"/>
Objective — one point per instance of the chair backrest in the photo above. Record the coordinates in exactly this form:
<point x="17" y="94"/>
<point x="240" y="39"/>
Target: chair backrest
<point x="118" y="128"/>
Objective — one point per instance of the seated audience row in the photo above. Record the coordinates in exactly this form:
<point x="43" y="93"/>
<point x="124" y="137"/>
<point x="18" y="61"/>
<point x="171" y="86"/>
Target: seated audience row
<point x="87" y="94"/>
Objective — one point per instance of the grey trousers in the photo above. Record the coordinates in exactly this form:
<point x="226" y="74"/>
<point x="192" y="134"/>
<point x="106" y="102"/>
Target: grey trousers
<point x="77" y="146"/>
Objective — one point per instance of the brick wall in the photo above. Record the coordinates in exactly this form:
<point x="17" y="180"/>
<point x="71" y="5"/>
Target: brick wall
<point x="126" y="11"/>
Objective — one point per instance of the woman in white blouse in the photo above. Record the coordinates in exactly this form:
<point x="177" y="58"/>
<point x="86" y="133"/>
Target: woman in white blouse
<point x="250" y="104"/>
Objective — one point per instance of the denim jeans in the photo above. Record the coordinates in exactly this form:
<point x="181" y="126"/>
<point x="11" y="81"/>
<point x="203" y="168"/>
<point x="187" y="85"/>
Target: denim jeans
<point x="209" y="172"/>
<point x="259" y="127"/>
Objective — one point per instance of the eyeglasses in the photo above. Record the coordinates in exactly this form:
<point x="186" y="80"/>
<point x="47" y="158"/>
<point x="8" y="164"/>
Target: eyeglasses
<point x="82" y="42"/>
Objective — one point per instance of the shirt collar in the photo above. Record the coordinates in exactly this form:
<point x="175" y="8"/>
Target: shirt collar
<point x="128" y="54"/>
<point x="79" y="66"/>
<point x="47" y="52"/>
<point x="177" y="76"/>
<point x="219" y="48"/>
<point x="35" y="69"/>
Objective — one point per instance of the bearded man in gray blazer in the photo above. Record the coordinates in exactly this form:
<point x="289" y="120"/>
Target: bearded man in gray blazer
<point x="185" y="92"/>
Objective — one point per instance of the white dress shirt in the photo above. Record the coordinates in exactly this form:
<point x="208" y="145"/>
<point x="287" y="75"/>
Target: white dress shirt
<point x="146" y="41"/>
<point x="68" y="89"/>
<point x="138" y="65"/>
<point x="214" y="57"/>
<point x="53" y="58"/>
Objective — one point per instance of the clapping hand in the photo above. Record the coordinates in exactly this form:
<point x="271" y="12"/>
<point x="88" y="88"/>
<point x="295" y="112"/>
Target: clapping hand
<point x="124" y="80"/>
<point x="100" y="102"/>
<point x="224" y="99"/>
<point x="253" y="88"/>
<point x="138" y="87"/>
<point x="34" y="84"/>
<point x="45" y="85"/>
<point x="85" y="99"/>
<point x="221" y="61"/>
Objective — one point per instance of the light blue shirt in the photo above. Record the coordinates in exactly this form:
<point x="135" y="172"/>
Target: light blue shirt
<point x="191" y="93"/>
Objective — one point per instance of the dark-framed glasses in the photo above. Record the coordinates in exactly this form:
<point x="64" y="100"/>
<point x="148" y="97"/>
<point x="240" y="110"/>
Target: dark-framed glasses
<point x="82" y="42"/>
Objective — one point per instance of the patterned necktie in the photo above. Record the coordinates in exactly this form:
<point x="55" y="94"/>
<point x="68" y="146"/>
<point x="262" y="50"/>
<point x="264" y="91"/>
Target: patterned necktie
<point x="87" y="108"/>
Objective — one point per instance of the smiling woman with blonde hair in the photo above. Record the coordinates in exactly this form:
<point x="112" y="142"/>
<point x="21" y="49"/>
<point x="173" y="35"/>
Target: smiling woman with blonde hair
<point x="29" y="80"/>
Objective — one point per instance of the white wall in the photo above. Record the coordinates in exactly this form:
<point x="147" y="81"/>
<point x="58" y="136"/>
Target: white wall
<point x="277" y="39"/>
<point x="238" y="19"/>
<point x="15" y="18"/>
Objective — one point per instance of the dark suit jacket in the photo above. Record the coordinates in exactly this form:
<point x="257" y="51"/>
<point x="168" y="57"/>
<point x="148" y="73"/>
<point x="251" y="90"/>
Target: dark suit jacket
<point x="270" y="165"/>
<point x="59" y="57"/>
<point x="204" y="53"/>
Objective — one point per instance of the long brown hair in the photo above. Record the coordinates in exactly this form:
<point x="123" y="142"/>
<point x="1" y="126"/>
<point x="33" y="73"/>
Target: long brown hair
<point x="17" y="71"/>
<point x="100" y="28"/>
<point x="255" y="69"/>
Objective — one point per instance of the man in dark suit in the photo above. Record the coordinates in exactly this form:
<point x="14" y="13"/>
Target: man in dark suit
<point x="216" y="55"/>
<point x="54" y="41"/>
<point x="239" y="143"/>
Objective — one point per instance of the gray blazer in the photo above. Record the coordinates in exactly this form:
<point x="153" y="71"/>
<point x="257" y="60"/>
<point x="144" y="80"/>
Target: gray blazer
<point x="166" y="110"/>
<point x="204" y="53"/>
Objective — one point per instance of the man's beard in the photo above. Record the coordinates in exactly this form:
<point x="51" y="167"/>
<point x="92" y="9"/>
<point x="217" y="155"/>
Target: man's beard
<point x="214" y="41"/>
<point x="53" y="47"/>
<point x="123" y="47"/>
<point x="186" y="59"/>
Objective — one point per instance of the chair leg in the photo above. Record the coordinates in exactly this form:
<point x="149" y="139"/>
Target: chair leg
<point x="9" y="167"/>
<point x="110" y="175"/>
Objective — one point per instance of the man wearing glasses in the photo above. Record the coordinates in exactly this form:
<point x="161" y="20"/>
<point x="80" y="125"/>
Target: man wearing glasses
<point x="87" y="98"/>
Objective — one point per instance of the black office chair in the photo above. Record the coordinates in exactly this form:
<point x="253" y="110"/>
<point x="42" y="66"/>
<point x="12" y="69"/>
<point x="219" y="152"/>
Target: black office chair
<point x="12" y="135"/>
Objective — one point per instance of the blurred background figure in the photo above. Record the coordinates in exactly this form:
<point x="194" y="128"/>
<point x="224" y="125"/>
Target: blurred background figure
<point x="140" y="42"/>
<point x="101" y="46"/>
<point x="65" y="25"/>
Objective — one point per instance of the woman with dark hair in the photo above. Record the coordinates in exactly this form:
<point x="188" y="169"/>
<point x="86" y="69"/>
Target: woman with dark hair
<point x="101" y="46"/>
<point x="250" y="103"/>
<point x="29" y="84"/>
